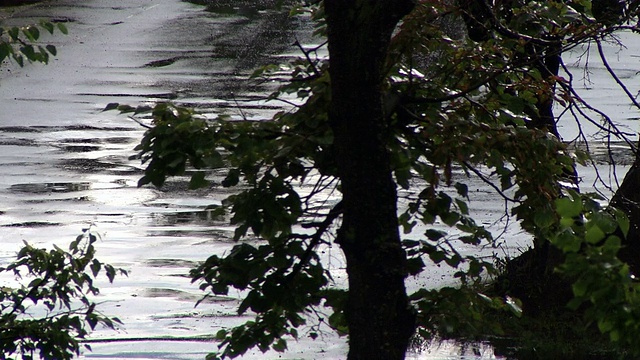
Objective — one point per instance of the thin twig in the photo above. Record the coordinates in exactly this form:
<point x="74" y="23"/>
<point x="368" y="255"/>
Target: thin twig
<point x="140" y="123"/>
<point x="489" y="182"/>
<point x="335" y="212"/>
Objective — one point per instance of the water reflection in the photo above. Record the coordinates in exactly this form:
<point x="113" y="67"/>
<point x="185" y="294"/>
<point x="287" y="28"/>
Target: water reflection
<point x="32" y="224"/>
<point x="80" y="148"/>
<point x="248" y="9"/>
<point x="171" y="263"/>
<point x="183" y="295"/>
<point x="195" y="217"/>
<point x="448" y="349"/>
<point x="53" y="187"/>
<point x="100" y="166"/>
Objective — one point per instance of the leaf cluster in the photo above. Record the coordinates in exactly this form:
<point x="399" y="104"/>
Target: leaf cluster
<point x="21" y="43"/>
<point x="53" y="312"/>
<point x="591" y="237"/>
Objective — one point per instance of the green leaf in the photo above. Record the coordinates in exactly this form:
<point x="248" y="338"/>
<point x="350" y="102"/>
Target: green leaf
<point x="437" y="256"/>
<point x="63" y="28"/>
<point x="462" y="189"/>
<point x="52" y="50"/>
<point x="222" y="334"/>
<point x="339" y="323"/>
<point x="48" y="26"/>
<point x="567" y="242"/>
<point x="142" y="109"/>
<point x="111" y="106"/>
<point x="32" y="33"/>
<point x="580" y="288"/>
<point x="614" y="335"/>
<point x="232" y="178"/>
<point x="568" y="207"/>
<point x="623" y="222"/>
<point x="612" y="244"/>
<point x="19" y="59"/>
<point x="280" y="345"/>
<point x="95" y="267"/>
<point x="29" y="52"/>
<point x="126" y="109"/>
<point x="514" y="305"/>
<point x="594" y="235"/>
<point x="462" y="205"/>
<point x="450" y="218"/>
<point x="605" y="325"/>
<point x="544" y="218"/>
<point x="435" y="235"/>
<point x="5" y="51"/>
<point x="198" y="180"/>
<point x="415" y="265"/>
<point x="14" y="32"/>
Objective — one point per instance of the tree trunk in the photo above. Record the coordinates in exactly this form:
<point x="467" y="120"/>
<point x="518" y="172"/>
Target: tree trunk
<point x="627" y="199"/>
<point x="378" y="314"/>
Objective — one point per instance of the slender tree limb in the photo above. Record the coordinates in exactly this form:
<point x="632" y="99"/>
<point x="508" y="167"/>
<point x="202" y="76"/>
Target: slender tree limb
<point x="335" y="212"/>
<point x="489" y="182"/>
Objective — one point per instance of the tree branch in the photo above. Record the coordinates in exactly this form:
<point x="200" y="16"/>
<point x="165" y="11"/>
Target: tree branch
<point x="335" y="212"/>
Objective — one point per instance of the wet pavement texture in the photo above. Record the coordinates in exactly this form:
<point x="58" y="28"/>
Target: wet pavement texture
<point x="54" y="137"/>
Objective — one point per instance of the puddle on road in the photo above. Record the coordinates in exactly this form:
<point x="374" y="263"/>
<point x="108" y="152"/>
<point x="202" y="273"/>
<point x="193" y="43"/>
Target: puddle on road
<point x="197" y="217"/>
<point x="204" y="224"/>
<point x="80" y="148"/>
<point x="32" y="224"/>
<point x="162" y="63"/>
<point x="171" y="263"/>
<point x="19" y="129"/>
<point x="99" y="141"/>
<point x="48" y="129"/>
<point x="53" y="187"/>
<point x="18" y="142"/>
<point x="248" y="9"/>
<point x="48" y="189"/>
<point x="148" y="97"/>
<point x="66" y="199"/>
<point x="209" y="235"/>
<point x="198" y="315"/>
<point x="95" y="166"/>
<point x="183" y="295"/>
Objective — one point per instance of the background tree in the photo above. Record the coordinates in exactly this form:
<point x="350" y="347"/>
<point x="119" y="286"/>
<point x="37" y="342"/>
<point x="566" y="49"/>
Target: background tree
<point x="545" y="54"/>
<point x="399" y="107"/>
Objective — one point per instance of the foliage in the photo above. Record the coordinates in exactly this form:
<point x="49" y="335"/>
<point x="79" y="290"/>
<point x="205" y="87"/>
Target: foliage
<point x="50" y="314"/>
<point x="21" y="43"/>
<point x="456" y="109"/>
<point x="591" y="238"/>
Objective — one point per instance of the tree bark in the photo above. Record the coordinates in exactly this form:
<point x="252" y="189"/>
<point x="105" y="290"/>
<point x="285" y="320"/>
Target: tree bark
<point x="627" y="199"/>
<point x="378" y="313"/>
